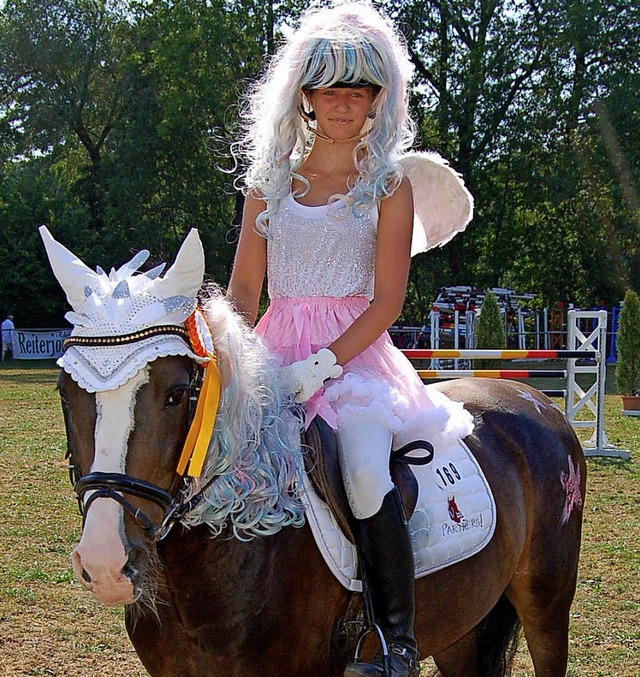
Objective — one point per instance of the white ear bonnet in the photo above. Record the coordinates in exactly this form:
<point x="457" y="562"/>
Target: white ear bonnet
<point x="125" y="302"/>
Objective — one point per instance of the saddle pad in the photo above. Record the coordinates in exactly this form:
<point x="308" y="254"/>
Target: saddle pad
<point x="455" y="517"/>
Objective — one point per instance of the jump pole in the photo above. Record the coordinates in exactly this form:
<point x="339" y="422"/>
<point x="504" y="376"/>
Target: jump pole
<point x="471" y="353"/>
<point x="580" y="347"/>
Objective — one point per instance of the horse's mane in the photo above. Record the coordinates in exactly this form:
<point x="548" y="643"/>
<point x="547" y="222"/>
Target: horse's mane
<point x="254" y="459"/>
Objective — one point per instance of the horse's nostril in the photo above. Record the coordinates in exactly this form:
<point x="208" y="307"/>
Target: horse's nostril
<point x="129" y="571"/>
<point x="85" y="576"/>
<point x="132" y="568"/>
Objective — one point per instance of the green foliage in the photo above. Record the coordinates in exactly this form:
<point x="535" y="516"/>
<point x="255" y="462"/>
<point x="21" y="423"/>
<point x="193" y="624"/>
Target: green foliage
<point x="122" y="120"/>
<point x="61" y="62"/>
<point x="117" y="118"/>
<point x="628" y="346"/>
<point x="31" y="194"/>
<point x="490" y="333"/>
<point x="509" y="95"/>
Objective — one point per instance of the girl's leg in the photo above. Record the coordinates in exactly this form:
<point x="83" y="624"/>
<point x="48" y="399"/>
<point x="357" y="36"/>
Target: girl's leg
<point x="381" y="529"/>
<point x="365" y="447"/>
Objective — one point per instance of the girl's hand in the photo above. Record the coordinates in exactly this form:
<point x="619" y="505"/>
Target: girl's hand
<point x="306" y="377"/>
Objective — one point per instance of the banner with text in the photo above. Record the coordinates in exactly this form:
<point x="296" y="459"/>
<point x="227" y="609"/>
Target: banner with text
<point x="38" y="344"/>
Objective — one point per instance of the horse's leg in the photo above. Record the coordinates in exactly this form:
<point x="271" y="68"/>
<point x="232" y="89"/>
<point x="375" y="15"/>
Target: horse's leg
<point x="545" y="622"/>
<point x="542" y="592"/>
<point x="460" y="659"/>
<point x="488" y="649"/>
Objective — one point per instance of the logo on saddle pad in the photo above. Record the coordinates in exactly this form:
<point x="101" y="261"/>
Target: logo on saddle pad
<point x="454" y="511"/>
<point x="460" y="523"/>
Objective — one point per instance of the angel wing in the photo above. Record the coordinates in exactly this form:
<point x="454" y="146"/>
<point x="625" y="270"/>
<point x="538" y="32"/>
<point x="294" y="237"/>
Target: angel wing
<point x="443" y="206"/>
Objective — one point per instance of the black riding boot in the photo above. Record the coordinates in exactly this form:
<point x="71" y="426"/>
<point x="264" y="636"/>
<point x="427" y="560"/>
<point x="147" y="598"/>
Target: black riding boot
<point x="386" y="549"/>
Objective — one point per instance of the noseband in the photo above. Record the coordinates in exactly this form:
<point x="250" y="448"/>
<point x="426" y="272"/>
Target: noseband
<point x="173" y="501"/>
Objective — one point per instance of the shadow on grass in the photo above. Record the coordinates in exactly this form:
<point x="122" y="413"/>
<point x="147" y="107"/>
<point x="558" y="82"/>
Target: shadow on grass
<point x="29" y="371"/>
<point x="607" y="463"/>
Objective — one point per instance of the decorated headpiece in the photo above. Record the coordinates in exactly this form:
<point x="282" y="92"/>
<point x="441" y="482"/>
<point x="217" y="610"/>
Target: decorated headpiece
<point x="125" y="319"/>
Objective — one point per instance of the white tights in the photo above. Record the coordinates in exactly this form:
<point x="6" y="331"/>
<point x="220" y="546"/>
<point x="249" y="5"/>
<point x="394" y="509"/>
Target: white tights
<point x="364" y="460"/>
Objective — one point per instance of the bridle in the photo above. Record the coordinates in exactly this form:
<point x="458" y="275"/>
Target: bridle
<point x="118" y="486"/>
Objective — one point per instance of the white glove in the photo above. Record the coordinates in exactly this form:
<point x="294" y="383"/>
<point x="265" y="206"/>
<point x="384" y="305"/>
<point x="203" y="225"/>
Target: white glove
<point x="306" y="377"/>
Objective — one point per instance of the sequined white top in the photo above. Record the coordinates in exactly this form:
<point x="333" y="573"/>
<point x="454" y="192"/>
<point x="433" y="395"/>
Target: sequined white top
<point x="312" y="252"/>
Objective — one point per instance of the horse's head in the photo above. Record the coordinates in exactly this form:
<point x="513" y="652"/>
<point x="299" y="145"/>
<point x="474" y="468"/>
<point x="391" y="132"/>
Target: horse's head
<point x="142" y="454"/>
<point x="130" y="376"/>
<point x="123" y="448"/>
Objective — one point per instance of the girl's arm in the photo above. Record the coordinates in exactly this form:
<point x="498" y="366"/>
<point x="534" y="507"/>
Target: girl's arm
<point x="250" y="263"/>
<point x="393" y="258"/>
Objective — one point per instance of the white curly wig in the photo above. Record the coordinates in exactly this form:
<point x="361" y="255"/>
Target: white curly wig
<point x="348" y="44"/>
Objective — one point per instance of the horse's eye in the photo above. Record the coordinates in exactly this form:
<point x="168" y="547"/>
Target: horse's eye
<point x="176" y="396"/>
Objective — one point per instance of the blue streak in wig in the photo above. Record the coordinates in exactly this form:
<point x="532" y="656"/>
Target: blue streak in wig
<point x="329" y="64"/>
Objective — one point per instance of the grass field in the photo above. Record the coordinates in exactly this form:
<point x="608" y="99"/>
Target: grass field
<point x="50" y="626"/>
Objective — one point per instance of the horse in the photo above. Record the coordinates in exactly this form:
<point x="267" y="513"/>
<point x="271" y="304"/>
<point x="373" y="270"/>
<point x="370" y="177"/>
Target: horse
<point x="218" y="572"/>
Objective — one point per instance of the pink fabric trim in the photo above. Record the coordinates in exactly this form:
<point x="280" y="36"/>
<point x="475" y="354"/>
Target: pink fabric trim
<point x="380" y="382"/>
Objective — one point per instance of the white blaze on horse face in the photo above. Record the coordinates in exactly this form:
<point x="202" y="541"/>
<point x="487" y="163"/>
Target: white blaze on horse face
<point x="115" y="410"/>
<point x="99" y="559"/>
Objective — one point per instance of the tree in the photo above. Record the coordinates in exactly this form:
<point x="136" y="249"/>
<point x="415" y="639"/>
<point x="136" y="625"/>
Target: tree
<point x="490" y="333"/>
<point x="506" y="90"/>
<point x="473" y="63"/>
<point x="61" y="69"/>
<point x="628" y="346"/>
<point x="123" y="115"/>
<point x="33" y="193"/>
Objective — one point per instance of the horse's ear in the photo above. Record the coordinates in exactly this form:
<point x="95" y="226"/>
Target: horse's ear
<point x="72" y="274"/>
<point x="185" y="276"/>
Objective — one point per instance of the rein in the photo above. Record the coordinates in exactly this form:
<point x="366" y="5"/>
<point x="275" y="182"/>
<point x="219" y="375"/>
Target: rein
<point x="199" y="424"/>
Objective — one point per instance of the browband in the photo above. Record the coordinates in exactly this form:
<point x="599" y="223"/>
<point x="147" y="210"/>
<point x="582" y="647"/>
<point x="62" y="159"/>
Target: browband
<point x="161" y="329"/>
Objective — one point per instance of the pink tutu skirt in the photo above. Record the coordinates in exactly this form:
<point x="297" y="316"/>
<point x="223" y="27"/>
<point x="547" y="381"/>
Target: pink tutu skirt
<point x="380" y="383"/>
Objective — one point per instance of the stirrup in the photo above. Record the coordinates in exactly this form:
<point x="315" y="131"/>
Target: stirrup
<point x="382" y="659"/>
<point x="384" y="647"/>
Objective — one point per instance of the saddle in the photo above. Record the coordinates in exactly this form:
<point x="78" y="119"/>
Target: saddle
<point x="321" y="459"/>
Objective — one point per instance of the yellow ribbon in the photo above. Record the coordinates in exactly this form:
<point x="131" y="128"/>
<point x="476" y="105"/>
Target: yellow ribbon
<point x="199" y="435"/>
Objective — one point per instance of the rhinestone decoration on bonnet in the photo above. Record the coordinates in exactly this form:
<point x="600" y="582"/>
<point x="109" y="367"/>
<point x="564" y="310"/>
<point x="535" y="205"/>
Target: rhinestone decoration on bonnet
<point x="125" y="302"/>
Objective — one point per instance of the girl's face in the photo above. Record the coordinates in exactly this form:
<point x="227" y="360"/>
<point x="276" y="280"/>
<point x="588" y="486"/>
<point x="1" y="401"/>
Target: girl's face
<point x="341" y="111"/>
